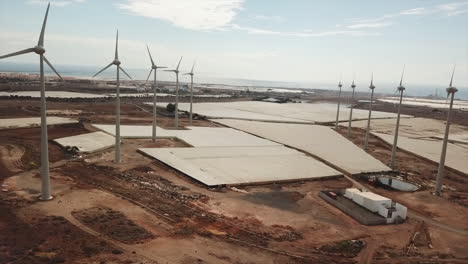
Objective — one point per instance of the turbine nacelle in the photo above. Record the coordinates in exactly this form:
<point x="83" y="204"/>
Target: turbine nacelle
<point x="451" y="90"/>
<point x="401" y="88"/>
<point x="39" y="50"/>
<point x="116" y="62"/>
<point x="372" y="87"/>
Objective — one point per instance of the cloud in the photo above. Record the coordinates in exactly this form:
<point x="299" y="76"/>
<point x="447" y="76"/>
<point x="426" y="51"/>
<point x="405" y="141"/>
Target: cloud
<point x="368" y="25"/>
<point x="303" y="33"/>
<point x="414" y="11"/>
<point x="267" y="18"/>
<point x="454" y="9"/>
<point x="188" y="14"/>
<point x="451" y="9"/>
<point x="56" y="2"/>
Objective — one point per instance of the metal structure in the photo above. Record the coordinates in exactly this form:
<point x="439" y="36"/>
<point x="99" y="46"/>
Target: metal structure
<point x="40" y="50"/>
<point x="371" y="87"/>
<point x="191" y="90"/>
<point x="440" y="172"/>
<point x="176" y="71"/>
<point x="117" y="63"/>
<point x="401" y="90"/>
<point x="353" y="87"/>
<point x="154" y="68"/>
<point x="339" y="102"/>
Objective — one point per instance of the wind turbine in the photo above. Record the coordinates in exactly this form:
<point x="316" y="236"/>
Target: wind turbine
<point x="371" y="87"/>
<point x="400" y="89"/>
<point x="40" y="50"/>
<point x="176" y="71"/>
<point x="440" y="173"/>
<point x="191" y="91"/>
<point x="339" y="102"/>
<point x="353" y="86"/>
<point x="117" y="63"/>
<point x="154" y="68"/>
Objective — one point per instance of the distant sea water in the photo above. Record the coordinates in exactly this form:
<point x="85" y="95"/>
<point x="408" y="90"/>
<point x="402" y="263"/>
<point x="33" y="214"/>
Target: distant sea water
<point x="141" y="74"/>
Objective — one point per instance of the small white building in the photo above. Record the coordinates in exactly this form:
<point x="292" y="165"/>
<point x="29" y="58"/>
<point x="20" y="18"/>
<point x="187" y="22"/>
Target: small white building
<point x="377" y="204"/>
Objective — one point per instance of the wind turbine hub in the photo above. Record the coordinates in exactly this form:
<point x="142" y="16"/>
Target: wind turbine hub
<point x="452" y="90"/>
<point x="353" y="86"/>
<point x="117" y="62"/>
<point x="372" y="87"/>
<point x="340" y="85"/>
<point x="39" y="50"/>
<point x="154" y="67"/>
<point x="401" y="88"/>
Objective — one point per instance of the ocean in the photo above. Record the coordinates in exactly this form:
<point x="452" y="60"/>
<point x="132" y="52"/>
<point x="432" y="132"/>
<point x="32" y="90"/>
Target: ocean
<point x="141" y="74"/>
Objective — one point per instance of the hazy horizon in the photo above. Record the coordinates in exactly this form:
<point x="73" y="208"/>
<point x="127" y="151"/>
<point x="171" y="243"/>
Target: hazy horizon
<point x="141" y="74"/>
<point x="306" y="42"/>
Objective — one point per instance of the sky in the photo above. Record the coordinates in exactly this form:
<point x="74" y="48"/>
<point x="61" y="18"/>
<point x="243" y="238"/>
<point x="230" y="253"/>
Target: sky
<point x="317" y="41"/>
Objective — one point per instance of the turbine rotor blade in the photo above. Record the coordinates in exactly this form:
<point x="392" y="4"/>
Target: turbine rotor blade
<point x="17" y="53"/>
<point x="41" y="37"/>
<point x="179" y="63"/>
<point x="149" y="53"/>
<point x="105" y="68"/>
<point x="125" y="73"/>
<point x="117" y="46"/>
<point x="52" y="67"/>
<point x="453" y="72"/>
<point x="402" y="74"/>
<point x="193" y="66"/>
<point x="149" y="75"/>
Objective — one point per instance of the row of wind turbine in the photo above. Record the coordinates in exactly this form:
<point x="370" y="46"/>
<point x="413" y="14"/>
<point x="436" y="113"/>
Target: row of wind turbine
<point x="401" y="89"/>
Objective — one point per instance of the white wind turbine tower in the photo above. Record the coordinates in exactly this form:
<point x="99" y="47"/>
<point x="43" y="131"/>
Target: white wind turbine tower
<point x="440" y="173"/>
<point x="353" y="86"/>
<point x="117" y="63"/>
<point x="191" y="91"/>
<point x="339" y="102"/>
<point x="400" y="89"/>
<point x="176" y="71"/>
<point x="371" y="87"/>
<point x="40" y="50"/>
<point x="154" y="68"/>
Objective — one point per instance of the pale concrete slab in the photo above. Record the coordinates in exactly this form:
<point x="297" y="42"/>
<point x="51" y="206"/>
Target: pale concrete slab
<point x="221" y="137"/>
<point x="88" y="143"/>
<point x="320" y="141"/>
<point x="412" y="127"/>
<point x="242" y="165"/>
<point x="433" y="103"/>
<point x="287" y="113"/>
<point x="34" y="122"/>
<point x="130" y="131"/>
<point x="194" y="136"/>
<point x="457" y="156"/>
<point x="457" y="138"/>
